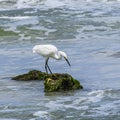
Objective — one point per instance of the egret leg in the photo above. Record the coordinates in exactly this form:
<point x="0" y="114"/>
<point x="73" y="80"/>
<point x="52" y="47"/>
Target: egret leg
<point x="47" y="66"/>
<point x="49" y="69"/>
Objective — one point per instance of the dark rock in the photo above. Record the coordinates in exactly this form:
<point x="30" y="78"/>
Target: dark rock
<point x="52" y="82"/>
<point x="60" y="82"/>
<point x="31" y="75"/>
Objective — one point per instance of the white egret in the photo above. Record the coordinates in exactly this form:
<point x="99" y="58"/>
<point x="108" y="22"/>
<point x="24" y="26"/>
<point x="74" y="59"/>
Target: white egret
<point x="49" y="51"/>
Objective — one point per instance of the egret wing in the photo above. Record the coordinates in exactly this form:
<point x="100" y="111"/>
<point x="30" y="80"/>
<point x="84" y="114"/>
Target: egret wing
<point x="46" y="50"/>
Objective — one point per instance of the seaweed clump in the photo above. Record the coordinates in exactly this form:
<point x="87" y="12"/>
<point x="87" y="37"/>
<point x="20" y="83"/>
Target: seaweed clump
<point x="61" y="82"/>
<point x="31" y="75"/>
<point x="52" y="82"/>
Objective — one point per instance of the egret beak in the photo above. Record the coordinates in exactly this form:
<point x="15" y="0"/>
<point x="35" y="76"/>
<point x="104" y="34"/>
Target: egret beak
<point x="68" y="62"/>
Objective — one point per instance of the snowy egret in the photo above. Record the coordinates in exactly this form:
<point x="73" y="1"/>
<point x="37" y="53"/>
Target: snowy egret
<point x="48" y="51"/>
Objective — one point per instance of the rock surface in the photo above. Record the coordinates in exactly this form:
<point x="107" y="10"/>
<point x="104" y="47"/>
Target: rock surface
<point x="31" y="75"/>
<point x="52" y="82"/>
<point x="61" y="82"/>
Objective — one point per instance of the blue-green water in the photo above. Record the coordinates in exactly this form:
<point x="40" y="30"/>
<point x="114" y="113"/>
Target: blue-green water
<point x="88" y="31"/>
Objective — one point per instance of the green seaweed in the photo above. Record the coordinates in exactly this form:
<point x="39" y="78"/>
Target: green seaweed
<point x="31" y="75"/>
<point x="60" y="82"/>
<point x="7" y="33"/>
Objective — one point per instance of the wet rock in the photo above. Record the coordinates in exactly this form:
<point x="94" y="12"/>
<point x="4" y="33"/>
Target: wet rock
<point x="31" y="75"/>
<point x="52" y="82"/>
<point x="61" y="82"/>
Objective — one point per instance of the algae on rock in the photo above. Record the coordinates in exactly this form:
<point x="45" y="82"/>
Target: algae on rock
<point x="31" y="75"/>
<point x="52" y="82"/>
<point x="60" y="82"/>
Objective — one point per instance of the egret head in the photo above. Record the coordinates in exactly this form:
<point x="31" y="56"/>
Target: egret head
<point x="64" y="55"/>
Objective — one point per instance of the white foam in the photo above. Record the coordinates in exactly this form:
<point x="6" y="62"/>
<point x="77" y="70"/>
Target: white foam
<point x="55" y="105"/>
<point x="8" y="119"/>
<point x="102" y="0"/>
<point x="2" y="0"/>
<point x="54" y="4"/>
<point x="15" y="18"/>
<point x="95" y="96"/>
<point x="91" y="97"/>
<point x="96" y="92"/>
<point x="107" y="108"/>
<point x="26" y="3"/>
<point x="46" y="3"/>
<point x="42" y="114"/>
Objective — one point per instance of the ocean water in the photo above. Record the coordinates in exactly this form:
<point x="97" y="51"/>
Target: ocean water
<point x="88" y="31"/>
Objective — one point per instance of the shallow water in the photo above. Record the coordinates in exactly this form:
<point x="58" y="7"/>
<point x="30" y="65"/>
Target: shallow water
<point x="88" y="31"/>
